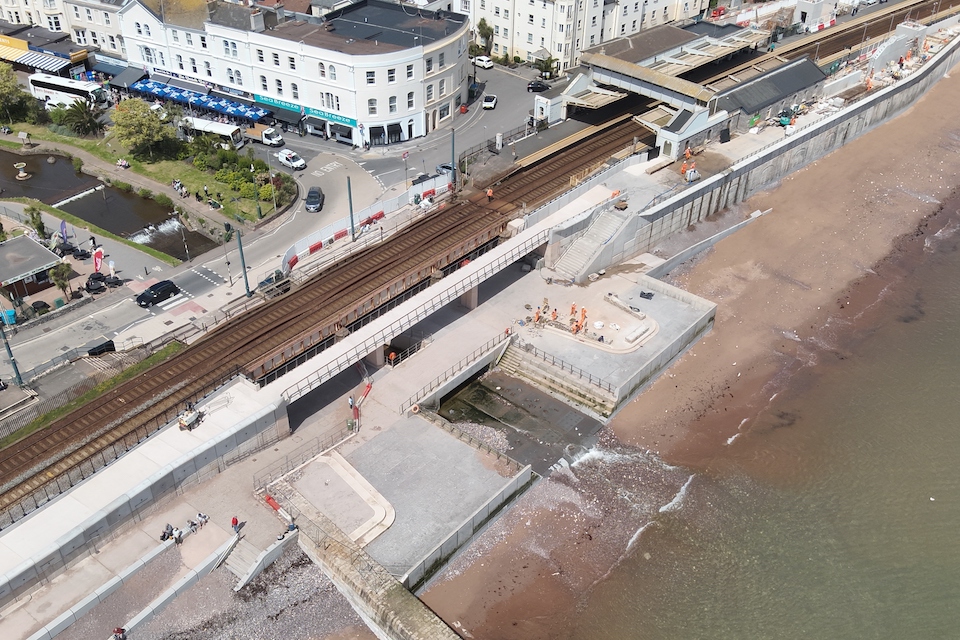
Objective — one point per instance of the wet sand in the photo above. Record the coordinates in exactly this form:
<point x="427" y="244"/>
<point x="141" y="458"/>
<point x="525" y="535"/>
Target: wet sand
<point x="839" y="234"/>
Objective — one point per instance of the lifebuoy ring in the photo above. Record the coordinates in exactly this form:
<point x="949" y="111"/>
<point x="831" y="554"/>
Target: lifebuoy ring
<point x="415" y="409"/>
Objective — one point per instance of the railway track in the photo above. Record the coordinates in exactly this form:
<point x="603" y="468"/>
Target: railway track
<point x="46" y="463"/>
<point x="848" y="35"/>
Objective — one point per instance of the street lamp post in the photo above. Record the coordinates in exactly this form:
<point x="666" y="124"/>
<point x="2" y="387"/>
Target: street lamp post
<point x="13" y="361"/>
<point x="243" y="264"/>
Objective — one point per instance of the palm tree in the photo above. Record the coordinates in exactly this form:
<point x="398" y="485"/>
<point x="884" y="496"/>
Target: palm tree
<point x="60" y="276"/>
<point x="84" y="118"/>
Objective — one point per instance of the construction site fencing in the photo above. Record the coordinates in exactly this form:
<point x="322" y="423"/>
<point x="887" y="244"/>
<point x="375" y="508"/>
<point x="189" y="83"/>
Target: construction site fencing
<point x="84" y="469"/>
<point x="295" y="458"/>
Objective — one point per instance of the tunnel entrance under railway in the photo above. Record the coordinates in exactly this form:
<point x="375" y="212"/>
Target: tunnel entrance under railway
<point x="375" y="313"/>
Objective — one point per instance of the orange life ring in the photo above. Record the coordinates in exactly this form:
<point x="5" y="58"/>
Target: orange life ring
<point x="415" y="409"/>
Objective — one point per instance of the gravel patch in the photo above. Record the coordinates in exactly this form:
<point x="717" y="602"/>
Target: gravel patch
<point x="493" y="438"/>
<point x="129" y="600"/>
<point x="292" y="599"/>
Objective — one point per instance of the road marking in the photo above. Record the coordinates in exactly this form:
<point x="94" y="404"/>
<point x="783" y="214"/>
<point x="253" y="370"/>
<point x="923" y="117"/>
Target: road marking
<point x="217" y="279"/>
<point x="327" y="168"/>
<point x="170" y="303"/>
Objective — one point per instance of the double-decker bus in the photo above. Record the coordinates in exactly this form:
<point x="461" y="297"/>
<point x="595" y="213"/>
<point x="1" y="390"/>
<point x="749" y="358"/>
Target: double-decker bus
<point x="63" y="92"/>
<point x="229" y="135"/>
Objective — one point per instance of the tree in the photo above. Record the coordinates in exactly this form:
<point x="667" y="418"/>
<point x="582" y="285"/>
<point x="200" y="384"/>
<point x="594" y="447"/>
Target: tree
<point x="84" y="118"/>
<point x="60" y="277"/>
<point x="138" y="127"/>
<point x="11" y="94"/>
<point x="485" y="31"/>
<point x="36" y="220"/>
<point x="546" y="65"/>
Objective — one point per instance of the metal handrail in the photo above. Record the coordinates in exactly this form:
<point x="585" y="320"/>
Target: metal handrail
<point x="461" y="364"/>
<point x="566" y="366"/>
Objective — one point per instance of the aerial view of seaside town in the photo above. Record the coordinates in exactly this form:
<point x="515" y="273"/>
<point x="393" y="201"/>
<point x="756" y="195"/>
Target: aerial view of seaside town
<point x="489" y="320"/>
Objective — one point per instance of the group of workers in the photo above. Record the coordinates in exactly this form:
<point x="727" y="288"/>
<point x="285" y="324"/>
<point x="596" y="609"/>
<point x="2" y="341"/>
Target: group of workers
<point x="576" y="326"/>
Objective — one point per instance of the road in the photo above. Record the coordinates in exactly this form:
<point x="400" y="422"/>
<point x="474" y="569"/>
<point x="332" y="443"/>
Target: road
<point x="210" y="281"/>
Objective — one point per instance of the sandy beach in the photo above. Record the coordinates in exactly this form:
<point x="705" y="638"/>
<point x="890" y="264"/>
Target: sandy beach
<point x="841" y="230"/>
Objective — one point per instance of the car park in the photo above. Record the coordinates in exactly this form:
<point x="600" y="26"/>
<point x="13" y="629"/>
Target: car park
<point x="489" y="102"/>
<point x="290" y="158"/>
<point x="157" y="293"/>
<point x="484" y="62"/>
<point x="537" y="86"/>
<point x="315" y="198"/>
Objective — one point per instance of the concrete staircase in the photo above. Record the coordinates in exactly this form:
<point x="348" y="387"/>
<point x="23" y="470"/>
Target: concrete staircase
<point x="556" y="381"/>
<point x="579" y="254"/>
<point x="243" y="556"/>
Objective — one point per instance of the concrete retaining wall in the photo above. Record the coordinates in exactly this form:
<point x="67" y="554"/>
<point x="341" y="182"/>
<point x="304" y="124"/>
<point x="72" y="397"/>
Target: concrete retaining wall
<point x="665" y="357"/>
<point x="432" y="399"/>
<point x="259" y="429"/>
<point x="745" y="178"/>
<point x="266" y="558"/>
<point x="209" y="564"/>
<point x="438" y="556"/>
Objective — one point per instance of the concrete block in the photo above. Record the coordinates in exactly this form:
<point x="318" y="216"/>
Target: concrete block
<point x="128" y="572"/>
<point x="163" y="600"/>
<point x="186" y="582"/>
<point x="141" y="618"/>
<point x="157" y="550"/>
<point x="61" y="622"/>
<point x="117" y="511"/>
<point x="85" y="605"/>
<point x="109" y="587"/>
<point x="43" y="634"/>
<point x="140" y="495"/>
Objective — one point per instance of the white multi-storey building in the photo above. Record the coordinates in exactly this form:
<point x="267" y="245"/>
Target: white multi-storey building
<point x="96" y="24"/>
<point x="537" y="29"/>
<point x="372" y="73"/>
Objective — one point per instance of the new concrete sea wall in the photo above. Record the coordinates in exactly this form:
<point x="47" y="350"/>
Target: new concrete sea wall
<point x="769" y="165"/>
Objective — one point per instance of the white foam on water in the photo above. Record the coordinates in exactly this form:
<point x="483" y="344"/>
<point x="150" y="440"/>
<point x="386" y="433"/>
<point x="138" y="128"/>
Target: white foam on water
<point x="170" y="225"/>
<point x="636" y="536"/>
<point x="733" y="438"/>
<point x="677" y="501"/>
<point x="596" y="455"/>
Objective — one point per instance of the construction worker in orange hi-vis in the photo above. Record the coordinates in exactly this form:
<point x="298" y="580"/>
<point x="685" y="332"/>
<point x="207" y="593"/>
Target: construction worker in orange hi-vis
<point x="536" y="316"/>
<point x="392" y="357"/>
<point x="683" y="168"/>
<point x="489" y="194"/>
<point x="553" y="316"/>
<point x="693" y="165"/>
<point x="583" y="315"/>
<point x="687" y="153"/>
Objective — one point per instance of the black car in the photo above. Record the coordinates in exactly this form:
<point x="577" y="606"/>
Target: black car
<point x="314" y="199"/>
<point x="537" y="86"/>
<point x="158" y="293"/>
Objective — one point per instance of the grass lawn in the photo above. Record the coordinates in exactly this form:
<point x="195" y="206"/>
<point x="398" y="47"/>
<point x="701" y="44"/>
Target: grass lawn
<point x="128" y="374"/>
<point x="109" y="149"/>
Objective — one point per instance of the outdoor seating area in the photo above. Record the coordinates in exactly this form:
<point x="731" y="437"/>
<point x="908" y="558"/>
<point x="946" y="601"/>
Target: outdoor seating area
<point x="199" y="100"/>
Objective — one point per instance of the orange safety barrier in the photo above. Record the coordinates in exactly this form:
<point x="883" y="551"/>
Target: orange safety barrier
<point x="378" y="215"/>
<point x="429" y="193"/>
<point x="340" y="234"/>
<point x="293" y="262"/>
<point x="316" y="246"/>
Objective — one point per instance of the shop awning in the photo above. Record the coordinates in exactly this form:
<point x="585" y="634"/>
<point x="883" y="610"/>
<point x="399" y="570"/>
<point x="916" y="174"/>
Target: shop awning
<point x="284" y="115"/>
<point x="189" y="86"/>
<point x="314" y="121"/>
<point x="108" y="69"/>
<point x="128" y="77"/>
<point x="185" y="96"/>
<point x="394" y="128"/>
<point x="344" y="131"/>
<point x="42" y="61"/>
<point x="376" y="132"/>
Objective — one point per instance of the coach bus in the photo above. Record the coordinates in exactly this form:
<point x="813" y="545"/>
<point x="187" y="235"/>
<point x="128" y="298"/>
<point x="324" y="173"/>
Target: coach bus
<point x="63" y="92"/>
<point x="228" y="135"/>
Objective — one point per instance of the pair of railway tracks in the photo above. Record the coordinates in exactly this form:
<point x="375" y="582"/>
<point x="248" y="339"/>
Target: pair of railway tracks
<point x="47" y="462"/>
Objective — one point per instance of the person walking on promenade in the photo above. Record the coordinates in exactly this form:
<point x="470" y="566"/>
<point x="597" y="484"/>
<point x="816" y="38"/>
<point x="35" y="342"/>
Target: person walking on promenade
<point x="202" y="518"/>
<point x="235" y="524"/>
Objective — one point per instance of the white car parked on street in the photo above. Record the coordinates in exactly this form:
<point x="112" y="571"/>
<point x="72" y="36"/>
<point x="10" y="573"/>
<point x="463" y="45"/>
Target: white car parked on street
<point x="484" y="62"/>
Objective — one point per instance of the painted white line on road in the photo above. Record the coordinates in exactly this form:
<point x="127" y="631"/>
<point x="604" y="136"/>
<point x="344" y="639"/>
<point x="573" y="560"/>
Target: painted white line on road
<point x="46" y="336"/>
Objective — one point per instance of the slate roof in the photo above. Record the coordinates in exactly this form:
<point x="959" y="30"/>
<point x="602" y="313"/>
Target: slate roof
<point x="758" y="93"/>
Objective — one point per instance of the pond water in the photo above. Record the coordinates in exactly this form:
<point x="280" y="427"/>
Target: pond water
<point x="124" y="214"/>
